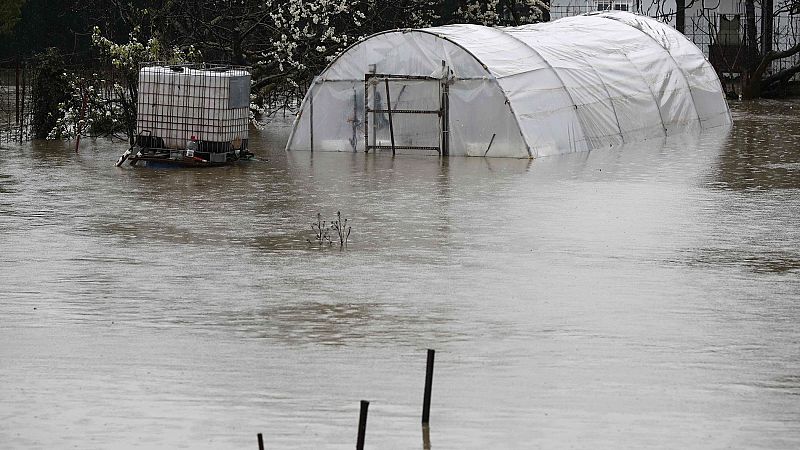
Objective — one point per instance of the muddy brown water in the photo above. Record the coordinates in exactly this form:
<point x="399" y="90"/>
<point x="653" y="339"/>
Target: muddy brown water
<point x="642" y="297"/>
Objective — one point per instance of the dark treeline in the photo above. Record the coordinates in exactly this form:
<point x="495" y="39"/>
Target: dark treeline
<point x="31" y="26"/>
<point x="242" y="32"/>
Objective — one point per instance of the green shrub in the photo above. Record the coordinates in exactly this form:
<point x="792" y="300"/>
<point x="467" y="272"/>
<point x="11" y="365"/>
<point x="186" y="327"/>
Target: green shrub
<point x="49" y="90"/>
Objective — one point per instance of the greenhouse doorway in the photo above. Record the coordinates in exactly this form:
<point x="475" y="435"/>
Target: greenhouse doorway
<point x="406" y="113"/>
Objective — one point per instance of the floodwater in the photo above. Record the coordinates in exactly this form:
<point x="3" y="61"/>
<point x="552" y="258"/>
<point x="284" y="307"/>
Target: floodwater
<point x="642" y="297"/>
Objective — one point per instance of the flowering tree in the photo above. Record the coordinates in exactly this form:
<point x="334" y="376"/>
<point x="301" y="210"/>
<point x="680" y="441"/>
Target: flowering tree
<point x="311" y="35"/>
<point x="94" y="105"/>
<point x="501" y="12"/>
<point x="85" y="109"/>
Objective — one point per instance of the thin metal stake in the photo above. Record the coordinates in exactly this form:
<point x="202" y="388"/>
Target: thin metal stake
<point x="17" y="92"/>
<point x="311" y="114"/>
<point x="389" y="109"/>
<point x="446" y="119"/>
<point x="490" y="144"/>
<point x="366" y="113"/>
<point x="84" y="100"/>
<point x="22" y="106"/>
<point x="426" y="401"/>
<point x="362" y="425"/>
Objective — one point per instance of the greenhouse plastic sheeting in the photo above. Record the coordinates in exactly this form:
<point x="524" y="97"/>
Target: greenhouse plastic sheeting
<point x="575" y="84"/>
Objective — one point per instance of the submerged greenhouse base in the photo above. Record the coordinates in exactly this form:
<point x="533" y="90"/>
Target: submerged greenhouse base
<point x="576" y="84"/>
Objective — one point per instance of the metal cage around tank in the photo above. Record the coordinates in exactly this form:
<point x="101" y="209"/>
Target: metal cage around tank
<point x="205" y="103"/>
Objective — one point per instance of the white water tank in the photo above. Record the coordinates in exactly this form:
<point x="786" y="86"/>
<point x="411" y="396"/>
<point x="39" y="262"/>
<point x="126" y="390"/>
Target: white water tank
<point x="209" y="103"/>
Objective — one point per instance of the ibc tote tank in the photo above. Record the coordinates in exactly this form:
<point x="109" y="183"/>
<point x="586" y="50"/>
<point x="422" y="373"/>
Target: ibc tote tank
<point x="210" y="103"/>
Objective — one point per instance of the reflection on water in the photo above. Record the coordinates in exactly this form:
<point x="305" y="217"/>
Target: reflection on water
<point x="759" y="261"/>
<point x="762" y="151"/>
<point x="337" y="324"/>
<point x="642" y="297"/>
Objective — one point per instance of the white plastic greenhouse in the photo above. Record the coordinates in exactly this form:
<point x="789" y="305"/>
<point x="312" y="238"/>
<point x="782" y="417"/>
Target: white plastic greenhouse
<point x="576" y="84"/>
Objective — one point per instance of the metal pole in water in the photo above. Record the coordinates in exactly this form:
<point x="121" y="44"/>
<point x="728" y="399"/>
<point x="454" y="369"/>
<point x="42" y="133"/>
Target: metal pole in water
<point x="22" y="106"/>
<point x="83" y="116"/>
<point x="389" y="112"/>
<point x="17" y="92"/>
<point x="366" y="113"/>
<point x="446" y="120"/>
<point x="426" y="401"/>
<point x="311" y="114"/>
<point x="260" y="442"/>
<point x="362" y="425"/>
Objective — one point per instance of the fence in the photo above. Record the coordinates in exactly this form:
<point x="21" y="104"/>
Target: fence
<point x="39" y="99"/>
<point x="722" y="37"/>
<point x="16" y="111"/>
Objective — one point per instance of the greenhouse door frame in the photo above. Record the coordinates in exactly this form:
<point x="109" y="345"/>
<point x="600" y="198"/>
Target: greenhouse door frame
<point x="375" y="79"/>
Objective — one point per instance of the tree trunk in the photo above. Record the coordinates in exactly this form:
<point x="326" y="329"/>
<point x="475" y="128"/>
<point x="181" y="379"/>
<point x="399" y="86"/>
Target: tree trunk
<point x="750" y="25"/>
<point x="751" y="82"/>
<point x="767" y="20"/>
<point x="237" y="56"/>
